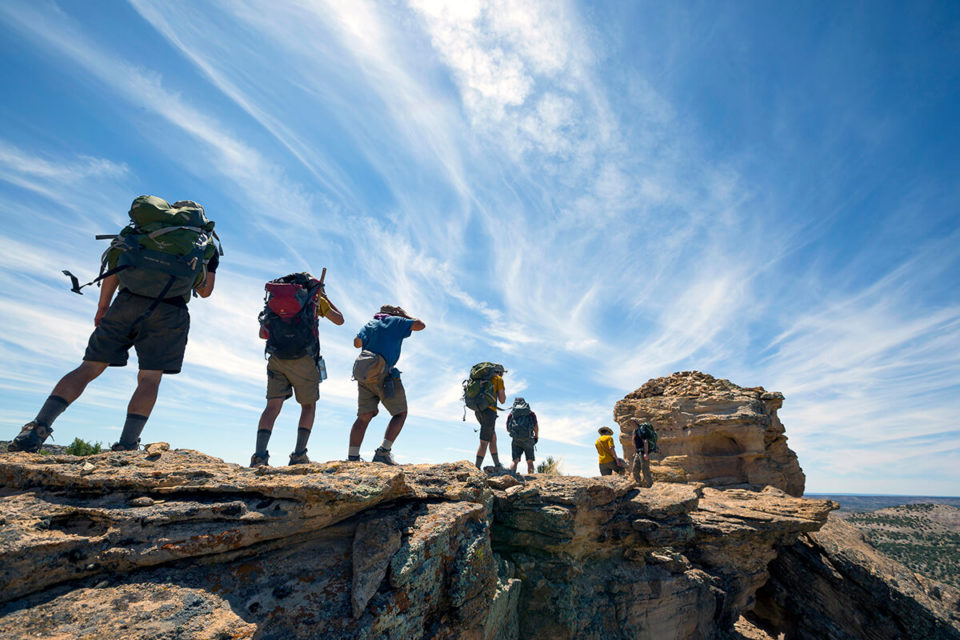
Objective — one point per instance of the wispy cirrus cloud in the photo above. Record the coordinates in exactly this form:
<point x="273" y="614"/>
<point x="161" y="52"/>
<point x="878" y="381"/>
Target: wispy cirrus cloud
<point x="512" y="173"/>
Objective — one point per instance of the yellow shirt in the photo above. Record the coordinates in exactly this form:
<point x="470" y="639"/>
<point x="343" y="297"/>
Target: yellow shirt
<point x="604" y="447"/>
<point x="322" y="306"/>
<point x="497" y="388"/>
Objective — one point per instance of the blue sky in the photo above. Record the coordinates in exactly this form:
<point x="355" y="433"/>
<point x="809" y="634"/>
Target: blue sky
<point x="593" y="194"/>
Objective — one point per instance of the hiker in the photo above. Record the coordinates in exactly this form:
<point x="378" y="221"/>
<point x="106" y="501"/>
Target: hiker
<point x="378" y="380"/>
<point x="293" y="307"/>
<point x="481" y="392"/>
<point x="166" y="253"/>
<point x="524" y="433"/>
<point x="609" y="462"/>
<point x="645" y="443"/>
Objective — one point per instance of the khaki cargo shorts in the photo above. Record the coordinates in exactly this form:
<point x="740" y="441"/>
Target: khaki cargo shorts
<point x="298" y="376"/>
<point x="369" y="396"/>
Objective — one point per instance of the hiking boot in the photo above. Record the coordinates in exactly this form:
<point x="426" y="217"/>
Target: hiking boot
<point x="383" y="455"/>
<point x="31" y="437"/>
<point x="299" y="457"/>
<point x="354" y="459"/>
<point x="260" y="461"/>
<point x="119" y="446"/>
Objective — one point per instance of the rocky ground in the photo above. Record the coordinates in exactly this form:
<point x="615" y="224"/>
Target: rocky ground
<point x="162" y="542"/>
<point x="168" y="543"/>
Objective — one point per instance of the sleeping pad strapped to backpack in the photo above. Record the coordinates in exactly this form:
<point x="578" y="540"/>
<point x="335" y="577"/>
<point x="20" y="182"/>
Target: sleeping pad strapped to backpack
<point x="162" y="253"/>
<point x="478" y="392"/>
<point x="289" y="316"/>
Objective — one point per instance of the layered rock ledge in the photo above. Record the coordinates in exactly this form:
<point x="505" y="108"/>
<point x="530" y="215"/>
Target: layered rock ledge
<point x="179" y="544"/>
<point x="176" y="544"/>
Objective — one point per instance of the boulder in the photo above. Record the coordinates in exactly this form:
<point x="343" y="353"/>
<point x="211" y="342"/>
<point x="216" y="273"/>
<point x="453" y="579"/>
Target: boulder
<point x="712" y="431"/>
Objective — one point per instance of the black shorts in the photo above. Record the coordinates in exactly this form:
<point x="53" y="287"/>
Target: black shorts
<point x="488" y="421"/>
<point x="524" y="447"/>
<point x="160" y="340"/>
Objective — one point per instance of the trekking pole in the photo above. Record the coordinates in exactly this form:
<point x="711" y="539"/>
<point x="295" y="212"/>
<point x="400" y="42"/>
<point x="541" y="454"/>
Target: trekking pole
<point x="323" y="274"/>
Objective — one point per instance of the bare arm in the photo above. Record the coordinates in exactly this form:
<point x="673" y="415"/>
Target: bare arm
<point x="107" y="288"/>
<point x="334" y="314"/>
<point x="502" y="396"/>
<point x="206" y="287"/>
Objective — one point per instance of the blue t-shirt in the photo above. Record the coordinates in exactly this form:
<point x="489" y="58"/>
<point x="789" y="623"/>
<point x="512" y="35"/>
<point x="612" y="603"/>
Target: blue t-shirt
<point x="385" y="336"/>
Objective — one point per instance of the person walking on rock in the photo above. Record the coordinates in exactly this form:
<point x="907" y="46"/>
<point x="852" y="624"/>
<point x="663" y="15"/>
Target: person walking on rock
<point x="524" y="433"/>
<point x="644" y="443"/>
<point x="378" y="380"/>
<point x="289" y="323"/>
<point x="166" y="253"/>
<point x="609" y="462"/>
<point x="481" y="392"/>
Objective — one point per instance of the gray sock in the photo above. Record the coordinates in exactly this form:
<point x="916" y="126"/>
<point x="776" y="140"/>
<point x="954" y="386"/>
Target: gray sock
<point x="496" y="459"/>
<point x="302" y="436"/>
<point x="51" y="410"/>
<point x="132" y="429"/>
<point x="479" y="462"/>
<point x="263" y="437"/>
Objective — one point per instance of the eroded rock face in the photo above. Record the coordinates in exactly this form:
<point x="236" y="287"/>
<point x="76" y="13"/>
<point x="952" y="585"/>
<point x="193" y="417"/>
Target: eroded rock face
<point x="832" y="585"/>
<point x="157" y="542"/>
<point x="336" y="550"/>
<point x="600" y="558"/>
<point x="713" y="431"/>
<point x="175" y="544"/>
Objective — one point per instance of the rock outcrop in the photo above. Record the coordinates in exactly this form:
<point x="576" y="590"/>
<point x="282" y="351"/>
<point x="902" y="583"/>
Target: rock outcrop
<point x="168" y="543"/>
<point x="832" y="585"/>
<point x="713" y="431"/>
<point x="599" y="558"/>
<point x="131" y="545"/>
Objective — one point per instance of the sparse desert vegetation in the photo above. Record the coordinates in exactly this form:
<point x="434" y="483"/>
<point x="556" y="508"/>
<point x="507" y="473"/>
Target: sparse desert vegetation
<point x="924" y="537"/>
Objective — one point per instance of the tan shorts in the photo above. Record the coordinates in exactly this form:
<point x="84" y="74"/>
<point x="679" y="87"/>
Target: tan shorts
<point x="299" y="374"/>
<point x="369" y="396"/>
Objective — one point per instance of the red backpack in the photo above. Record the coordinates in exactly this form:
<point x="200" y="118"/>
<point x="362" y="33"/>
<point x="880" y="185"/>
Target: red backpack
<point x="289" y="316"/>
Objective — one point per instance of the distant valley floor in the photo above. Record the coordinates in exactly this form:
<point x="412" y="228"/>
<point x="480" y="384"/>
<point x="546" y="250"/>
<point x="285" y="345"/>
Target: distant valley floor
<point x="921" y="532"/>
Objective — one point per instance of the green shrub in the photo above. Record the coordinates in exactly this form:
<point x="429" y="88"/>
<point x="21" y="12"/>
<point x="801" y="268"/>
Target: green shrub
<point x="550" y="466"/>
<point x="82" y="448"/>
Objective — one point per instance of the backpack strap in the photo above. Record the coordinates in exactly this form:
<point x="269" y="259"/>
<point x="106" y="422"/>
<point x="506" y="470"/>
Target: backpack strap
<point x="103" y="274"/>
<point x="153" y="305"/>
<point x="159" y="232"/>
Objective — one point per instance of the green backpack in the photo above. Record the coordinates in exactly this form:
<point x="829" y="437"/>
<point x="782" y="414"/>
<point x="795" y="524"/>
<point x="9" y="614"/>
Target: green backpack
<point x="478" y="391"/>
<point x="162" y="253"/>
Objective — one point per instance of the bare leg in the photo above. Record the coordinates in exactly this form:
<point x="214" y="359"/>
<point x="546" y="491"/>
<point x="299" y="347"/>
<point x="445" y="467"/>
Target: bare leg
<point x="270" y="413"/>
<point x="530" y="468"/>
<point x="513" y="465"/>
<point x="482" y="449"/>
<point x="143" y="399"/>
<point x="307" y="414"/>
<point x="359" y="428"/>
<point x="72" y="385"/>
<point x="493" y="444"/>
<point x="394" y="426"/>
